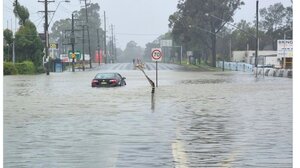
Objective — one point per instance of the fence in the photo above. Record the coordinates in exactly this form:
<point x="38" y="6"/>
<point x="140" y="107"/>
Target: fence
<point x="235" y="66"/>
<point x="239" y="66"/>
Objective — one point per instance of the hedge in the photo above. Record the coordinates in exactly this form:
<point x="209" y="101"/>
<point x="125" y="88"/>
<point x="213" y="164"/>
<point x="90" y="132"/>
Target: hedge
<point x="9" y="69"/>
<point x="26" y="67"/>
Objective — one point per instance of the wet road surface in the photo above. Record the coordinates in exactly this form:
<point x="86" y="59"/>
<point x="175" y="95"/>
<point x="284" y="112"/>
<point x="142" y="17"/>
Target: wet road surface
<point x="196" y="119"/>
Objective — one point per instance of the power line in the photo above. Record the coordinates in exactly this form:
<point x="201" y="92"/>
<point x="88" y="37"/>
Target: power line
<point x="38" y="19"/>
<point x="66" y="9"/>
<point x="136" y="34"/>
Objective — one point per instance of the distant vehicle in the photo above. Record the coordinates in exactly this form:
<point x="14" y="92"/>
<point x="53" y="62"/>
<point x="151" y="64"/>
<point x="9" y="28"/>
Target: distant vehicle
<point x="108" y="80"/>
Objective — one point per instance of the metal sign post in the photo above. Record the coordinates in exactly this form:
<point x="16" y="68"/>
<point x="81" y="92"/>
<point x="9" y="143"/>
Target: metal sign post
<point x="156" y="55"/>
<point x="156" y="74"/>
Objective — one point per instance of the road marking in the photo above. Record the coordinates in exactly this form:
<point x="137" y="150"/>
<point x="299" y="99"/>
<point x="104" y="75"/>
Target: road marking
<point x="227" y="163"/>
<point x="178" y="152"/>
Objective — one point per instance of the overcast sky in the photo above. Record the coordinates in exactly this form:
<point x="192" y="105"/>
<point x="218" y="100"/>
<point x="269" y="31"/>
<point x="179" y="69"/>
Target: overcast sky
<point x="139" y="20"/>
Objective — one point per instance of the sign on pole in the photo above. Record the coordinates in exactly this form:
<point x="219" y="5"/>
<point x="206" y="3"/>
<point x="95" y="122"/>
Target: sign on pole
<point x="165" y="43"/>
<point x="156" y="54"/>
<point x="54" y="45"/>
<point x="74" y="55"/>
<point x="284" y="48"/>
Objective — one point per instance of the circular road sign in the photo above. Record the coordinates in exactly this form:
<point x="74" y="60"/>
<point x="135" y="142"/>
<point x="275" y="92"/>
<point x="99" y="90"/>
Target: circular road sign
<point x="156" y="54"/>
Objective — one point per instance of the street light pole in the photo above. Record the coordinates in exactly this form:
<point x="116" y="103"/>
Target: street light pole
<point x="14" y="52"/>
<point x="8" y="45"/>
<point x="180" y="55"/>
<point x="256" y="48"/>
<point x="73" y="41"/>
<point x="98" y="46"/>
<point x="105" y="52"/>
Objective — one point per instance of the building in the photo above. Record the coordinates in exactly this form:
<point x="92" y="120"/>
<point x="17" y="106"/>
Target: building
<point x="265" y="57"/>
<point x="285" y="53"/>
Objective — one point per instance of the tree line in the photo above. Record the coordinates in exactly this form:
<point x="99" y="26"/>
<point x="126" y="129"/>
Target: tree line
<point x="204" y="27"/>
<point x="28" y="45"/>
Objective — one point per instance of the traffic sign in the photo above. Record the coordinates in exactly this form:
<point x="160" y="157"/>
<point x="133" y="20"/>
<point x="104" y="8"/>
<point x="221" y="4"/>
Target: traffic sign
<point x="156" y="54"/>
<point x="54" y="45"/>
<point x="76" y="55"/>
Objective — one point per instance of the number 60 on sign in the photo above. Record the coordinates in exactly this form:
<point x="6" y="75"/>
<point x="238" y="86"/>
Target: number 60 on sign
<point x="156" y="54"/>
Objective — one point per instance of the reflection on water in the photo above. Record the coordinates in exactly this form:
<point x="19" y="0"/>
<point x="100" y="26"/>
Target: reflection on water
<point x="194" y="119"/>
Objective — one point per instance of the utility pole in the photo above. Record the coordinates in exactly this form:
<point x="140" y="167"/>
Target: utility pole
<point x="72" y="42"/>
<point x="115" y="47"/>
<point x="105" y="52"/>
<point x="88" y="32"/>
<point x="256" y="48"/>
<point x="112" y="42"/>
<point x="14" y="39"/>
<point x="83" y="58"/>
<point x="98" y="47"/>
<point x="46" y="25"/>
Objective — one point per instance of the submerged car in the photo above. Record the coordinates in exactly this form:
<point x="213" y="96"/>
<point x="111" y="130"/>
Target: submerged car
<point x="108" y="80"/>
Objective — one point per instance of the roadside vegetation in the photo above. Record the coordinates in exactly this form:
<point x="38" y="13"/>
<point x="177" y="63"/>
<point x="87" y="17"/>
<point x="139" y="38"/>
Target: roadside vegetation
<point x="23" y="68"/>
<point x="198" y="66"/>
<point x="28" y="46"/>
<point x="203" y="28"/>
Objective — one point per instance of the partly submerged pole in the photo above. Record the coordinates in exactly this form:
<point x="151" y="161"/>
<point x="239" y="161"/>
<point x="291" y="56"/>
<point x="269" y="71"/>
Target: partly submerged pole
<point x="140" y="67"/>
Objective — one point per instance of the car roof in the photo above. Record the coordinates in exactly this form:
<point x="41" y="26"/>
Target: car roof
<point x="106" y="74"/>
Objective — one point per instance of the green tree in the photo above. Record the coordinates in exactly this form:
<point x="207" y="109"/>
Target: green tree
<point x="132" y="51"/>
<point x="196" y="23"/>
<point x="8" y="40"/>
<point x="58" y="29"/>
<point x="61" y="29"/>
<point x="243" y="36"/>
<point x="275" y="20"/>
<point x="28" y="44"/>
<point x="21" y="12"/>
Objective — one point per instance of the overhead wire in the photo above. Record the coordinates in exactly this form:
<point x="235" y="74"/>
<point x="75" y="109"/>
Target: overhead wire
<point x="137" y="34"/>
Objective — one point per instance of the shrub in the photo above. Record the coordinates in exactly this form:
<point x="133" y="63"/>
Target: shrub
<point x="9" y="69"/>
<point x="26" y="67"/>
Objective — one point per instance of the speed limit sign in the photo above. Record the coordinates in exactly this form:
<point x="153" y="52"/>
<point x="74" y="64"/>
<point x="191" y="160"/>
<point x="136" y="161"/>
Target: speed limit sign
<point x="156" y="54"/>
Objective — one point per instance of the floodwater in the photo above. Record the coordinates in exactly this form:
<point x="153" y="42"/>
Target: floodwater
<point x="195" y="119"/>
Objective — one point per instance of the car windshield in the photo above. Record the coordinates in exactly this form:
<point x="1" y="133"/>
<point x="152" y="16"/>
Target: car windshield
<point x="105" y="76"/>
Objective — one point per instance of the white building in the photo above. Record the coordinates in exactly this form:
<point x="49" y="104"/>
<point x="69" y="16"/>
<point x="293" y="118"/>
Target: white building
<point x="265" y="57"/>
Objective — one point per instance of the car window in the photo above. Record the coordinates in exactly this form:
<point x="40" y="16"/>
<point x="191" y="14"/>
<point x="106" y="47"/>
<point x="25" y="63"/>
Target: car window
<point x="105" y="76"/>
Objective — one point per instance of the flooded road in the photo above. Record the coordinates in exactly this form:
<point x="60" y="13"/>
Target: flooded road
<point x="198" y="119"/>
